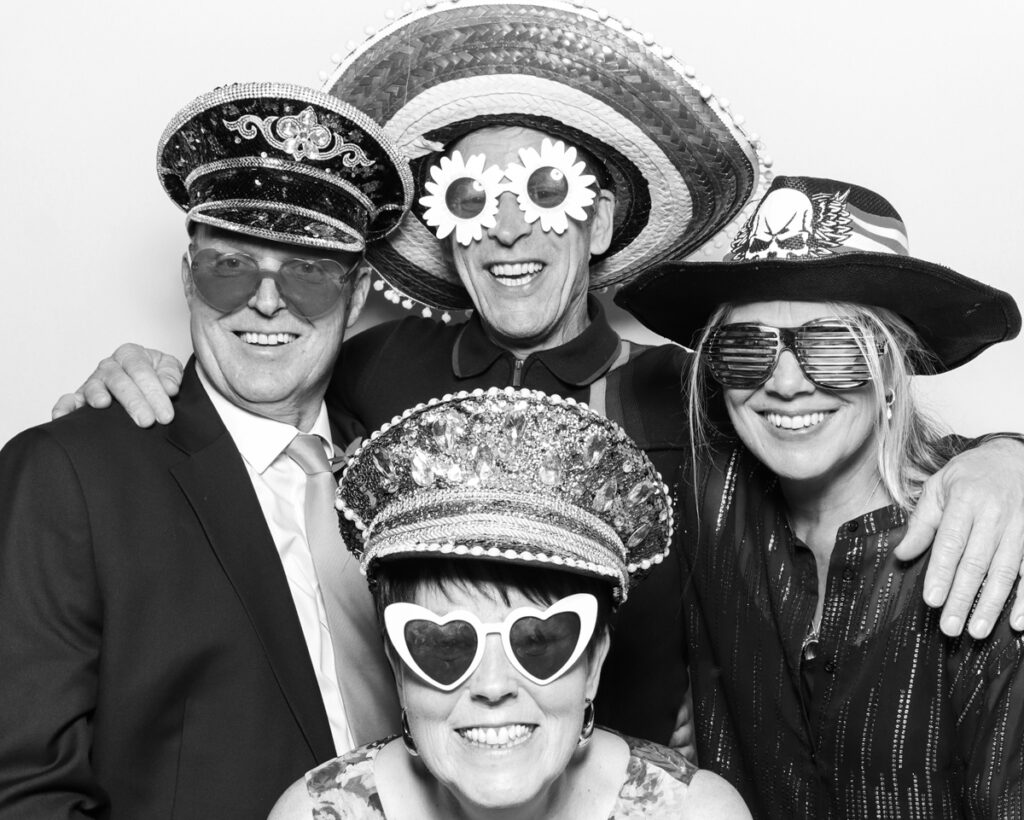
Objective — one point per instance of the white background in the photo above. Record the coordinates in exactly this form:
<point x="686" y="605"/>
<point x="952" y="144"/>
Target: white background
<point x="918" y="101"/>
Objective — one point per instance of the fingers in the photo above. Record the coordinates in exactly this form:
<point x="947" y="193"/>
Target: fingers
<point x="140" y="383"/>
<point x="978" y="541"/>
<point x="169" y="371"/>
<point x="945" y="531"/>
<point x="1017" y="612"/>
<point x="1002" y="574"/>
<point x="111" y="381"/>
<point x="67" y="403"/>
<point x="94" y="391"/>
<point x="921" y="532"/>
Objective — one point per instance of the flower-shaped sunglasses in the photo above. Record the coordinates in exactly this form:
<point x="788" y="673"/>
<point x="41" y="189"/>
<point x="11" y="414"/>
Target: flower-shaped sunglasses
<point x="549" y="185"/>
<point x="445" y="650"/>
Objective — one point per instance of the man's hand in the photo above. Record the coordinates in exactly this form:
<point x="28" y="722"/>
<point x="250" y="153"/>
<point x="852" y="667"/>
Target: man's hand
<point x="140" y="379"/>
<point x="971" y="513"/>
<point x="684" y="739"/>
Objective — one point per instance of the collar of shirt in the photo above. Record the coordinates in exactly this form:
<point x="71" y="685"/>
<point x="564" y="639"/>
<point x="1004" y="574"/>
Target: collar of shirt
<point x="578" y="362"/>
<point x="261" y="440"/>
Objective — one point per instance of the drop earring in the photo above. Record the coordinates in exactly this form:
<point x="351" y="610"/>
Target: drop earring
<point x="407" y="738"/>
<point x="587" y="731"/>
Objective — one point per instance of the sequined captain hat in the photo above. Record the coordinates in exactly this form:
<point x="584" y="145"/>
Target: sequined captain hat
<point x="509" y="475"/>
<point x="681" y="165"/>
<point x="285" y="163"/>
<point x="819" y="240"/>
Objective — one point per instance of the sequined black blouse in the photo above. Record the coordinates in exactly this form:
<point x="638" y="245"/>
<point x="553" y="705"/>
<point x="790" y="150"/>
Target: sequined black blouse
<point x="891" y="719"/>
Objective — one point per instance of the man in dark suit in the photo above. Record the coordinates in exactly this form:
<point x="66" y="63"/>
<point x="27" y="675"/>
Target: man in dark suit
<point x="164" y="640"/>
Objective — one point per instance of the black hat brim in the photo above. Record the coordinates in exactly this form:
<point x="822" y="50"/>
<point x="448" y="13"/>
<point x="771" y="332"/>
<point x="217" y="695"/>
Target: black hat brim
<point x="956" y="317"/>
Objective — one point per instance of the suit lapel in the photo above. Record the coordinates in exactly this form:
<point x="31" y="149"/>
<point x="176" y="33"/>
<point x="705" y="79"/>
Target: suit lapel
<point x="217" y="485"/>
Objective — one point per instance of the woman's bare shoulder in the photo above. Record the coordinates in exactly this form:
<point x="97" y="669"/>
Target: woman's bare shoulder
<point x="295" y="803"/>
<point x="712" y="796"/>
<point x="346" y="782"/>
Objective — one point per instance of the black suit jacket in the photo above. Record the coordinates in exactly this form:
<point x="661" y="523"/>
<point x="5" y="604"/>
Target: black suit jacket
<point x="151" y="661"/>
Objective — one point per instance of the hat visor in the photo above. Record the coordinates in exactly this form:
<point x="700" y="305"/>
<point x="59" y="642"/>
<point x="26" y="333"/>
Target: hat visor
<point x="955" y="316"/>
<point x="575" y="543"/>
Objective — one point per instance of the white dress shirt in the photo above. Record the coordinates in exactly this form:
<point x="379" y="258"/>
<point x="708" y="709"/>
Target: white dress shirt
<point x="280" y="486"/>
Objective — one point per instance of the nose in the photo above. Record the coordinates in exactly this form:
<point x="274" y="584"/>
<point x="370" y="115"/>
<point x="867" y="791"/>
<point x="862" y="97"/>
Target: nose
<point x="495" y="679"/>
<point x="267" y="298"/>
<point x="510" y="224"/>
<point x="788" y="379"/>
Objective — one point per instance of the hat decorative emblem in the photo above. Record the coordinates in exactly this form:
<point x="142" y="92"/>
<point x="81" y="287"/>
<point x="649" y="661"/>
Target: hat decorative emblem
<point x="789" y="224"/>
<point x="301" y="136"/>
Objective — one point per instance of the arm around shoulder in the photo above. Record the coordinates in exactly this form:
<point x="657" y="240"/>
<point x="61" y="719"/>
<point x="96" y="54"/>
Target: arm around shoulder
<point x="712" y="796"/>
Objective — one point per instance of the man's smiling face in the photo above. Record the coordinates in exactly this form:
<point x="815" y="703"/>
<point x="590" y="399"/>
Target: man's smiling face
<point x="529" y="285"/>
<point x="261" y="356"/>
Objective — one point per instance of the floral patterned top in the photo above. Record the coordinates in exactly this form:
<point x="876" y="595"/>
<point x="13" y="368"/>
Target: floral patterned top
<point x="657" y="779"/>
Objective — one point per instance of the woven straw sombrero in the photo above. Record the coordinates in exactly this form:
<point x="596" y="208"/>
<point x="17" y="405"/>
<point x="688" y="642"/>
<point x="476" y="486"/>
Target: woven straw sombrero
<point x="680" y="165"/>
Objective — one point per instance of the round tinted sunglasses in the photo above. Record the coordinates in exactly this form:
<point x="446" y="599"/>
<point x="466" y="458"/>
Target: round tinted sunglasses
<point x="830" y="353"/>
<point x="310" y="287"/>
<point x="445" y="650"/>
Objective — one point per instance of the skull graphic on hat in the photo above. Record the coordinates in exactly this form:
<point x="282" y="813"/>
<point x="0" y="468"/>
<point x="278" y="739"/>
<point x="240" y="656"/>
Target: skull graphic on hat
<point x="789" y="224"/>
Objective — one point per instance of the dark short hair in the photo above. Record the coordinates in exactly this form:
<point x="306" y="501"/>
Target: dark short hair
<point x="399" y="580"/>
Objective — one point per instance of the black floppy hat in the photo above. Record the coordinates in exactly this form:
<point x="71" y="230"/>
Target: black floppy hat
<point x="818" y="240"/>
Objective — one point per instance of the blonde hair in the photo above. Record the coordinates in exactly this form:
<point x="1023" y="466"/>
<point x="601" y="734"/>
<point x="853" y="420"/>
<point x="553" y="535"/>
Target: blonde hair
<point x="908" y="441"/>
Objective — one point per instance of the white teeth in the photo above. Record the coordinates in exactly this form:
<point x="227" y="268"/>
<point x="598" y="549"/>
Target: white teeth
<point x="795" y="422"/>
<point x="267" y="339"/>
<point x="499" y="736"/>
<point x="516" y="274"/>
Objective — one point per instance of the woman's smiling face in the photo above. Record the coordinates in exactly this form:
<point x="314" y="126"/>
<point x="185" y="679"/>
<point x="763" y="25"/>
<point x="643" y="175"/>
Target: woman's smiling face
<point x="498" y="739"/>
<point x="800" y="431"/>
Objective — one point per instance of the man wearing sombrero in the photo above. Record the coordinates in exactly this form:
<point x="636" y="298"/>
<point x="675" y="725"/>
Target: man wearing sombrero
<point x="557" y="152"/>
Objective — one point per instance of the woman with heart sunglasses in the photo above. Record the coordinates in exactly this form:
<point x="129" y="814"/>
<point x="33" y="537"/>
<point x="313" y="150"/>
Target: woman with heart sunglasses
<point x="499" y="531"/>
<point x="822" y="684"/>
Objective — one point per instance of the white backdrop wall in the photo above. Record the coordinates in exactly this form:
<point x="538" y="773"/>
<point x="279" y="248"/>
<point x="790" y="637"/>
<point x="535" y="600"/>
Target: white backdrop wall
<point x="919" y="101"/>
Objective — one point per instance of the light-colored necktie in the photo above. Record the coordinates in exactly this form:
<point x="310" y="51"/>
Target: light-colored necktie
<point x="364" y="675"/>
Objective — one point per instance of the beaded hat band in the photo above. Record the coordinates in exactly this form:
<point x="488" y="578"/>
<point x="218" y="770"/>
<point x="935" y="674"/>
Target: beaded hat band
<point x="681" y="166"/>
<point x="284" y="163"/>
<point x="508" y="475"/>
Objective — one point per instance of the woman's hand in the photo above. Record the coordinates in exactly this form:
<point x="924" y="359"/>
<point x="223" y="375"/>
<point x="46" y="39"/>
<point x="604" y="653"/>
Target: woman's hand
<point x="140" y="379"/>
<point x="971" y="514"/>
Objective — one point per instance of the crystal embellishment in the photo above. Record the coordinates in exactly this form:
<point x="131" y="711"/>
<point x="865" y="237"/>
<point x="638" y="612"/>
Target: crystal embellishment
<point x="604" y="498"/>
<point x="483" y="463"/>
<point x="640" y="493"/>
<point x="639" y="535"/>
<point x="550" y="472"/>
<point x="301" y="136"/>
<point x="595" y="449"/>
<point x="422" y="468"/>
<point x="385" y="466"/>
